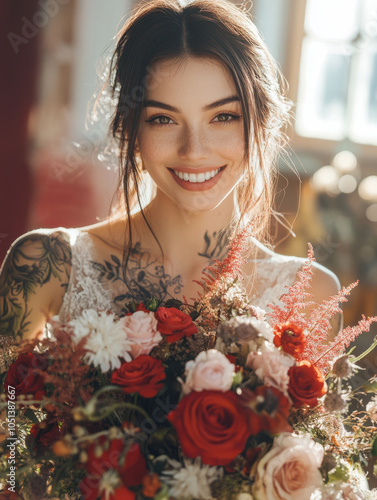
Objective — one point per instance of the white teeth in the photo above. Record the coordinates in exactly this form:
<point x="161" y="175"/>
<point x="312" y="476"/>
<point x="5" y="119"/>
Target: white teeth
<point x="203" y="176"/>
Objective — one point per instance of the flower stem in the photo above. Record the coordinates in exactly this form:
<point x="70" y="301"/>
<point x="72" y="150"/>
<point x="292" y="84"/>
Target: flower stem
<point x="365" y="353"/>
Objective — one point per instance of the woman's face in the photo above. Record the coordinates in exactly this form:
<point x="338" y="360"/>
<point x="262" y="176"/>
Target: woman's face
<point x="191" y="144"/>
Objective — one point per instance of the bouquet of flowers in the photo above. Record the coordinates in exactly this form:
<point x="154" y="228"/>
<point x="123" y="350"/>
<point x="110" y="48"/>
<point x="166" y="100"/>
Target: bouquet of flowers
<point x="213" y="400"/>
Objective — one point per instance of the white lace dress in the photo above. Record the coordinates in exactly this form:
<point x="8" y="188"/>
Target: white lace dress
<point x="85" y="289"/>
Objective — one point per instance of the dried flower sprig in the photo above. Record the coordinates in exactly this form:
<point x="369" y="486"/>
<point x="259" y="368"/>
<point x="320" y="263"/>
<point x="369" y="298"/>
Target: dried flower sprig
<point x="221" y="282"/>
<point x="317" y="323"/>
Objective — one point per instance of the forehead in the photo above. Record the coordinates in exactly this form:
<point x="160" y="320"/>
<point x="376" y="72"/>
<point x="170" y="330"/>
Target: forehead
<point x="201" y="79"/>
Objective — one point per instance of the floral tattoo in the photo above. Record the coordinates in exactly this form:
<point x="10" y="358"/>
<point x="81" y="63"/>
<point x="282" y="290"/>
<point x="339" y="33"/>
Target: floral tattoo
<point x="31" y="262"/>
<point x="145" y="277"/>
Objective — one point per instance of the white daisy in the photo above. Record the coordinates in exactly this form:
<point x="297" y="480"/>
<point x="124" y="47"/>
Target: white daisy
<point x="191" y="480"/>
<point x="107" y="340"/>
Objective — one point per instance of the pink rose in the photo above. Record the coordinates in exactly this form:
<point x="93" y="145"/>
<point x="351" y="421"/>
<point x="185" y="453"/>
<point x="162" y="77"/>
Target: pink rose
<point x="141" y="328"/>
<point x="290" y="470"/>
<point x="210" y="370"/>
<point x="272" y="368"/>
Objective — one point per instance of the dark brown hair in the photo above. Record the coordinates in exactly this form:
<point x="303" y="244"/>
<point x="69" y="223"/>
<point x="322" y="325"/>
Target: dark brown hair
<point x="158" y="30"/>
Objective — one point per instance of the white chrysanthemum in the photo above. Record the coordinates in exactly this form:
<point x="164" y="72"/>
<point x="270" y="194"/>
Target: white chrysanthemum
<point x="340" y="491"/>
<point x="106" y="339"/>
<point x="264" y="329"/>
<point x="260" y="314"/>
<point x="191" y="480"/>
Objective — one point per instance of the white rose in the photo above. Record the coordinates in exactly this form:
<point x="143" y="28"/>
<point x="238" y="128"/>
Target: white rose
<point x="210" y="370"/>
<point x="271" y="367"/>
<point x="290" y="470"/>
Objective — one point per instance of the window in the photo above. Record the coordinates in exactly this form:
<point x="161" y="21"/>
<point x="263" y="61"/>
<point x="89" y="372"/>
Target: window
<point x="337" y="82"/>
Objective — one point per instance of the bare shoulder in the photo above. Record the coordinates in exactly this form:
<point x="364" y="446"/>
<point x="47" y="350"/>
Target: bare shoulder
<point x="110" y="232"/>
<point x="33" y="278"/>
<point x="324" y="282"/>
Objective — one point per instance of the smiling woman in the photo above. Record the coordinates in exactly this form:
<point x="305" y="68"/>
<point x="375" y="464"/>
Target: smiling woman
<point x="199" y="111"/>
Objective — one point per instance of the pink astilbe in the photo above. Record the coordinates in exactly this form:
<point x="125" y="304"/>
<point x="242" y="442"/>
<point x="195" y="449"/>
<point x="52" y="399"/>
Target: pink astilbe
<point x="317" y="321"/>
<point x="219" y="277"/>
<point x="327" y="353"/>
<point x="296" y="298"/>
<point x="318" y="324"/>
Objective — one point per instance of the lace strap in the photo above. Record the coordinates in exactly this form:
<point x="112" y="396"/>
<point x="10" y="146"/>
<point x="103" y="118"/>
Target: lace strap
<point x="273" y="277"/>
<point x="85" y="291"/>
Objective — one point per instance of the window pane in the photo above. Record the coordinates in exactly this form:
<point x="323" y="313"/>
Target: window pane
<point x="323" y="88"/>
<point x="332" y="19"/>
<point x="363" y="125"/>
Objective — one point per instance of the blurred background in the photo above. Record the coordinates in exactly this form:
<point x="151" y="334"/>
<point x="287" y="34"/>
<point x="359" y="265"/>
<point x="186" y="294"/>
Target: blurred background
<point x="52" y="53"/>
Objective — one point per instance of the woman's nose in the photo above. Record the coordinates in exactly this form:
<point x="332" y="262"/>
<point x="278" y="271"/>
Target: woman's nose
<point x="194" y="144"/>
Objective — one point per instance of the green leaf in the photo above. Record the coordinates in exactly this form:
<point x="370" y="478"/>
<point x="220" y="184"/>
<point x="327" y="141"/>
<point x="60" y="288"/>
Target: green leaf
<point x="152" y="304"/>
<point x="370" y="387"/>
<point x="374" y="447"/>
<point x="163" y="494"/>
<point x="341" y="473"/>
<point x="31" y="415"/>
<point x="237" y="380"/>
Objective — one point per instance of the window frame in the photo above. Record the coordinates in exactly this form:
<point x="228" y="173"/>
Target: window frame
<point x="326" y="147"/>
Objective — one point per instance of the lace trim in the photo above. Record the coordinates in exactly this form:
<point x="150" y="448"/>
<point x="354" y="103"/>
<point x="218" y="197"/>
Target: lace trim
<point x="85" y="291"/>
<point x="274" y="276"/>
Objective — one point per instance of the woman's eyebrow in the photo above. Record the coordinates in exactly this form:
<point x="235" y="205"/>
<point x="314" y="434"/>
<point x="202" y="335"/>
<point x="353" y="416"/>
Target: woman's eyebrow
<point x="221" y="102"/>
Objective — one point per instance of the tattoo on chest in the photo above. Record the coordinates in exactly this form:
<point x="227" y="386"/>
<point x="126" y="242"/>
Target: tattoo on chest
<point x="145" y="277"/>
<point x="215" y="245"/>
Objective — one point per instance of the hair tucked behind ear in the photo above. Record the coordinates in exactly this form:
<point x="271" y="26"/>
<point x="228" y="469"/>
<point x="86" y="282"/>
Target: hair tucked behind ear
<point x="158" y="30"/>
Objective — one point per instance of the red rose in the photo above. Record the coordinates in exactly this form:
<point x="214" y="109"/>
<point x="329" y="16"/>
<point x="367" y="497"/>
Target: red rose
<point x="143" y="375"/>
<point x="269" y="409"/>
<point x="174" y="324"/>
<point x="212" y="425"/>
<point x="233" y="360"/>
<point x="23" y="377"/>
<point x="121" y="493"/>
<point x="306" y="384"/>
<point x="290" y="337"/>
<point x="9" y="495"/>
<point x="131" y="472"/>
<point x="41" y="438"/>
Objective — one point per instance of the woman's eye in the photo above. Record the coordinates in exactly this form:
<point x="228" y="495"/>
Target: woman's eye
<point x="228" y="118"/>
<point x="223" y="118"/>
<point x="165" y="120"/>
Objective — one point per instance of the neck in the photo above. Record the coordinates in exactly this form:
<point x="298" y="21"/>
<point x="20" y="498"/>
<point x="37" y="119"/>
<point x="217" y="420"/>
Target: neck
<point x="188" y="239"/>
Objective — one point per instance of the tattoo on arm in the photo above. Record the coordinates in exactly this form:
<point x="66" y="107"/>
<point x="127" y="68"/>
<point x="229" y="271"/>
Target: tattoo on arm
<point x="30" y="263"/>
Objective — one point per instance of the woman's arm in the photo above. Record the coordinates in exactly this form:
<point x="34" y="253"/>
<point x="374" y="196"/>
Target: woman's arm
<point x="33" y="279"/>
